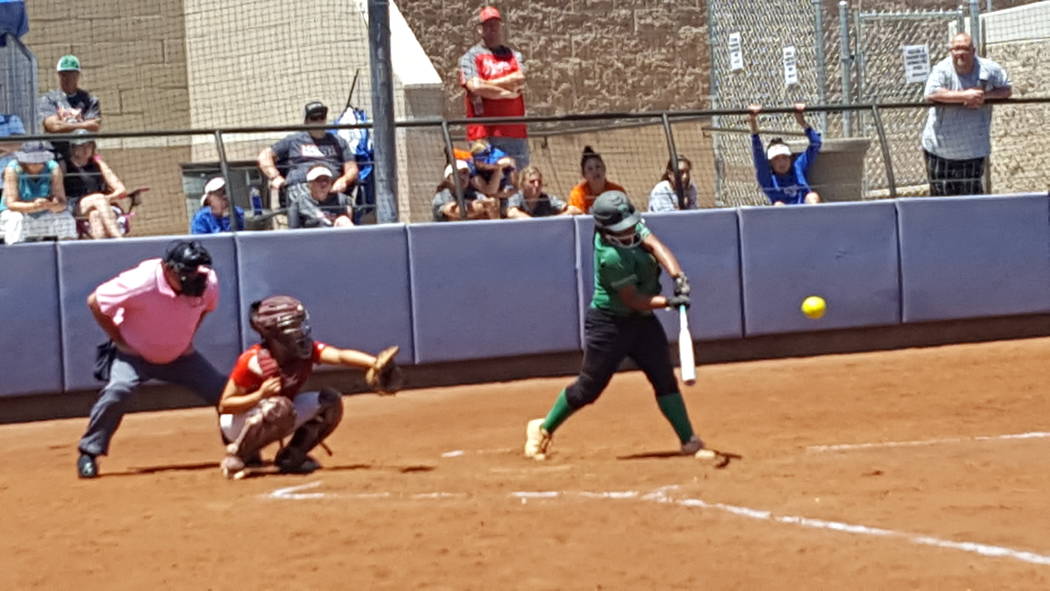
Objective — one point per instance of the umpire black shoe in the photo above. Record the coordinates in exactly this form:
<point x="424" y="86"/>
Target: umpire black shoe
<point x="86" y="466"/>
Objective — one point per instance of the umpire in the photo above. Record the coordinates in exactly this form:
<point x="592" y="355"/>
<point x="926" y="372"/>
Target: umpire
<point x="620" y="323"/>
<point x="150" y="313"/>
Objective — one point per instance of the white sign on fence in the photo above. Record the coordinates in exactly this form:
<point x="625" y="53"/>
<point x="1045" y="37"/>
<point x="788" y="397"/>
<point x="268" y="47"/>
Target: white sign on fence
<point x="916" y="63"/>
<point x="790" y="66"/>
<point x="736" y="52"/>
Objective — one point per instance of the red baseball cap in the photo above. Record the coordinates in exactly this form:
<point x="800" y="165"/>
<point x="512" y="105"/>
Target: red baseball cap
<point x="489" y="13"/>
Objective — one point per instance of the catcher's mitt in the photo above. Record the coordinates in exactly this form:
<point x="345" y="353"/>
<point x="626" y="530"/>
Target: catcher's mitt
<point x="385" y="376"/>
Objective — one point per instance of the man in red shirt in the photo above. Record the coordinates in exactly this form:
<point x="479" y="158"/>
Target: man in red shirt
<point x="493" y="76"/>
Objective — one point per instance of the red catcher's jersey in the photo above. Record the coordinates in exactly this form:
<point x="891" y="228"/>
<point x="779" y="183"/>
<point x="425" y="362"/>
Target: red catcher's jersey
<point x="256" y="364"/>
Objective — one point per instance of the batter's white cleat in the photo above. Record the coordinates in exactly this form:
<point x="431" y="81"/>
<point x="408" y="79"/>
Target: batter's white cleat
<point x="692" y="446"/>
<point x="537" y="440"/>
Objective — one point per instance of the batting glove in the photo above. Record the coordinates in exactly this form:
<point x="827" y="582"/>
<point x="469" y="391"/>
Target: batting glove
<point x="681" y="285"/>
<point x="679" y="300"/>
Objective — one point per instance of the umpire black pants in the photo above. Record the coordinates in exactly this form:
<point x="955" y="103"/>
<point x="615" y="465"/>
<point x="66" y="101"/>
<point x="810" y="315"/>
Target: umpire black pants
<point x="609" y="340"/>
<point x="954" y="177"/>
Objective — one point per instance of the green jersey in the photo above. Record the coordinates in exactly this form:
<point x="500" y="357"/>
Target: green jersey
<point x="616" y="267"/>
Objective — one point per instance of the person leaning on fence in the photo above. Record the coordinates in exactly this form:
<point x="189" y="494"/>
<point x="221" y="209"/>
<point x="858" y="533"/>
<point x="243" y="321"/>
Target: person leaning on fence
<point x="956" y="140"/>
<point x="594" y="183"/>
<point x="150" y="313"/>
<point x="532" y="202"/>
<point x="302" y="150"/>
<point x="780" y="176"/>
<point x="445" y="206"/>
<point x="664" y="196"/>
<point x="322" y="207"/>
<point x="69" y="107"/>
<point x="214" y="215"/>
<point x="34" y="203"/>
<point x="493" y="78"/>
<point x="92" y="188"/>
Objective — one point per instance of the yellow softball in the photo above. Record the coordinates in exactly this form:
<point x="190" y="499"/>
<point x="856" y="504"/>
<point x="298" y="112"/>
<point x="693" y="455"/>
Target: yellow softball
<point x="814" y="307"/>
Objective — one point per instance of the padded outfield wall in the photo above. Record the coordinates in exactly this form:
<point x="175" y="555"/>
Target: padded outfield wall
<point x="481" y="291"/>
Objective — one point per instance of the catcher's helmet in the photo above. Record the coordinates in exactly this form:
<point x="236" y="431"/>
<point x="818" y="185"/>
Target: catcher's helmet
<point x="284" y="324"/>
<point x="185" y="257"/>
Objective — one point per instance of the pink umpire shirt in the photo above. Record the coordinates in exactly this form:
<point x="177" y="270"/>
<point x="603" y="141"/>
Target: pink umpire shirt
<point x="155" y="321"/>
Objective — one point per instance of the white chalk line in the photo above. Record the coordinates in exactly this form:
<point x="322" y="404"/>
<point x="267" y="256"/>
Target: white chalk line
<point x="457" y="453"/>
<point x="924" y="442"/>
<point x="661" y="495"/>
<point x="292" y="493"/>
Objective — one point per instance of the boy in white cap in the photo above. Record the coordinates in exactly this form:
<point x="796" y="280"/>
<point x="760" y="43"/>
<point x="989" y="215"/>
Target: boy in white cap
<point x="782" y="179"/>
<point x="445" y="205"/>
<point x="214" y="215"/>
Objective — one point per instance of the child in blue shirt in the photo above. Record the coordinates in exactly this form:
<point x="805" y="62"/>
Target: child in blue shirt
<point x="782" y="179"/>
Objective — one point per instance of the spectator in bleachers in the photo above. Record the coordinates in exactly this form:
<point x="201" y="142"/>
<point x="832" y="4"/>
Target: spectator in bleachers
<point x="92" y="188"/>
<point x="322" y="207"/>
<point x="781" y="176"/>
<point x="532" y="202"/>
<point x="594" y="183"/>
<point x="302" y="150"/>
<point x="69" y="107"/>
<point x="493" y="171"/>
<point x="493" y="77"/>
<point x="664" y="196"/>
<point x="214" y="215"/>
<point x="446" y="208"/>
<point x="34" y="203"/>
<point x="956" y="140"/>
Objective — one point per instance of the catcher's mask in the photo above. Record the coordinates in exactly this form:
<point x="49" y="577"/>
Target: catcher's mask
<point x="284" y="324"/>
<point x="615" y="218"/>
<point x="189" y="260"/>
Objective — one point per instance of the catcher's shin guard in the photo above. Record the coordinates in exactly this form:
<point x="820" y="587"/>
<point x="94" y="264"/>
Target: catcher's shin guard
<point x="274" y="421"/>
<point x="313" y="432"/>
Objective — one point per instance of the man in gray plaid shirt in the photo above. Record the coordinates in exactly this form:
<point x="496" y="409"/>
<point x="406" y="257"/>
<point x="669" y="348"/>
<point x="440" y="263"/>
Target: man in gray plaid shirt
<point x="956" y="138"/>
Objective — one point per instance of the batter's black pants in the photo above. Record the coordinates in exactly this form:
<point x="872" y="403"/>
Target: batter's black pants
<point x="609" y="339"/>
<point x="954" y="177"/>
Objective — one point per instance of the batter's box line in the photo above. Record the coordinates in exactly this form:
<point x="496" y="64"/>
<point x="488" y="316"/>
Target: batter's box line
<point x="925" y="442"/>
<point x="661" y="495"/>
<point x="294" y="493"/>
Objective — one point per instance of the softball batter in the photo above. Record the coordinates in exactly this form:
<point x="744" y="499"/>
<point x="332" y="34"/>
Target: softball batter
<point x="620" y="323"/>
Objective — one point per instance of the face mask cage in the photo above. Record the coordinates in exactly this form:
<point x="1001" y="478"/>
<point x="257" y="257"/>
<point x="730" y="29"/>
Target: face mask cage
<point x="630" y="241"/>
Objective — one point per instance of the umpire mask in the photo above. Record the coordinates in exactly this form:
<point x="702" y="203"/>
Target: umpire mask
<point x="284" y="325"/>
<point x="189" y="260"/>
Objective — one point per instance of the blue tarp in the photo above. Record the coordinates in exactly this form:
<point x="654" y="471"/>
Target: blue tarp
<point x="13" y="19"/>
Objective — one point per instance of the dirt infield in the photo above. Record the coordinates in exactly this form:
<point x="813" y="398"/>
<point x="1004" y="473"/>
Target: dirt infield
<point x="428" y="490"/>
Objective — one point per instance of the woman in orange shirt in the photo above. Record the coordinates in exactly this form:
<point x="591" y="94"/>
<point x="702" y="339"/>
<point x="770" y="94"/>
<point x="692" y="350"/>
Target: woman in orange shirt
<point x="594" y="183"/>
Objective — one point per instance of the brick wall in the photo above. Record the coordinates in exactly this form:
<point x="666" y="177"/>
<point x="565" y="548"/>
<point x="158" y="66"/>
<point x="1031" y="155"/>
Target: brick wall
<point x="133" y="58"/>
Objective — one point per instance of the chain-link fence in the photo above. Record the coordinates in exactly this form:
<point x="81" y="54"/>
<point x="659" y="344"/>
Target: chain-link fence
<point x="18" y="82"/>
<point x="205" y="64"/>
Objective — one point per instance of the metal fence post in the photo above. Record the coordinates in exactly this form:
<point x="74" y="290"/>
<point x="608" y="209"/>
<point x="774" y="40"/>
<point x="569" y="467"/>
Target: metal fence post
<point x="822" y="72"/>
<point x="975" y="26"/>
<point x="847" y="61"/>
<point x="385" y="167"/>
<point x="679" y="189"/>
<point x="887" y="157"/>
<point x="224" y="167"/>
<point x="450" y="155"/>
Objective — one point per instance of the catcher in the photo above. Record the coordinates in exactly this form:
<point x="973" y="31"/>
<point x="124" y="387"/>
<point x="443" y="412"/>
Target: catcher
<point x="262" y="402"/>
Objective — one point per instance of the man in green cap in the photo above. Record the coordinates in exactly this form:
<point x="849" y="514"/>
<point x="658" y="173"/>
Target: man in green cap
<point x="69" y="107"/>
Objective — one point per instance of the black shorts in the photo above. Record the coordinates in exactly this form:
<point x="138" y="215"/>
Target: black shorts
<point x="954" y="177"/>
